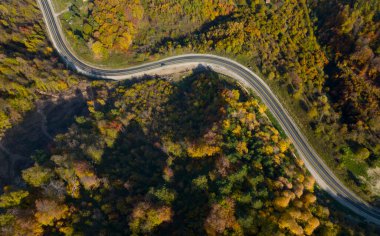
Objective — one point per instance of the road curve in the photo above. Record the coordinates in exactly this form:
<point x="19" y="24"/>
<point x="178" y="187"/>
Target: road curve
<point x="323" y="175"/>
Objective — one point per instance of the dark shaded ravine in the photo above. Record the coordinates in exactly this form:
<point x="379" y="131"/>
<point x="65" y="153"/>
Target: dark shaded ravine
<point x="50" y="117"/>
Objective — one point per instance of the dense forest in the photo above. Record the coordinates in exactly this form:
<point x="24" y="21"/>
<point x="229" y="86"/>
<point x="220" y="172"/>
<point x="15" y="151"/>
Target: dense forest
<point x="353" y="81"/>
<point x="192" y="157"/>
<point x="332" y="88"/>
<point x="196" y="155"/>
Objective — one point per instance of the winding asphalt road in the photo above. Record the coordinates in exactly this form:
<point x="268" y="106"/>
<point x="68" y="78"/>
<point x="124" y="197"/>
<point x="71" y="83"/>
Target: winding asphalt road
<point x="323" y="175"/>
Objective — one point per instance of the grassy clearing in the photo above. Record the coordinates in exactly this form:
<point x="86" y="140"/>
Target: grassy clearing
<point x="357" y="166"/>
<point x="60" y="5"/>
